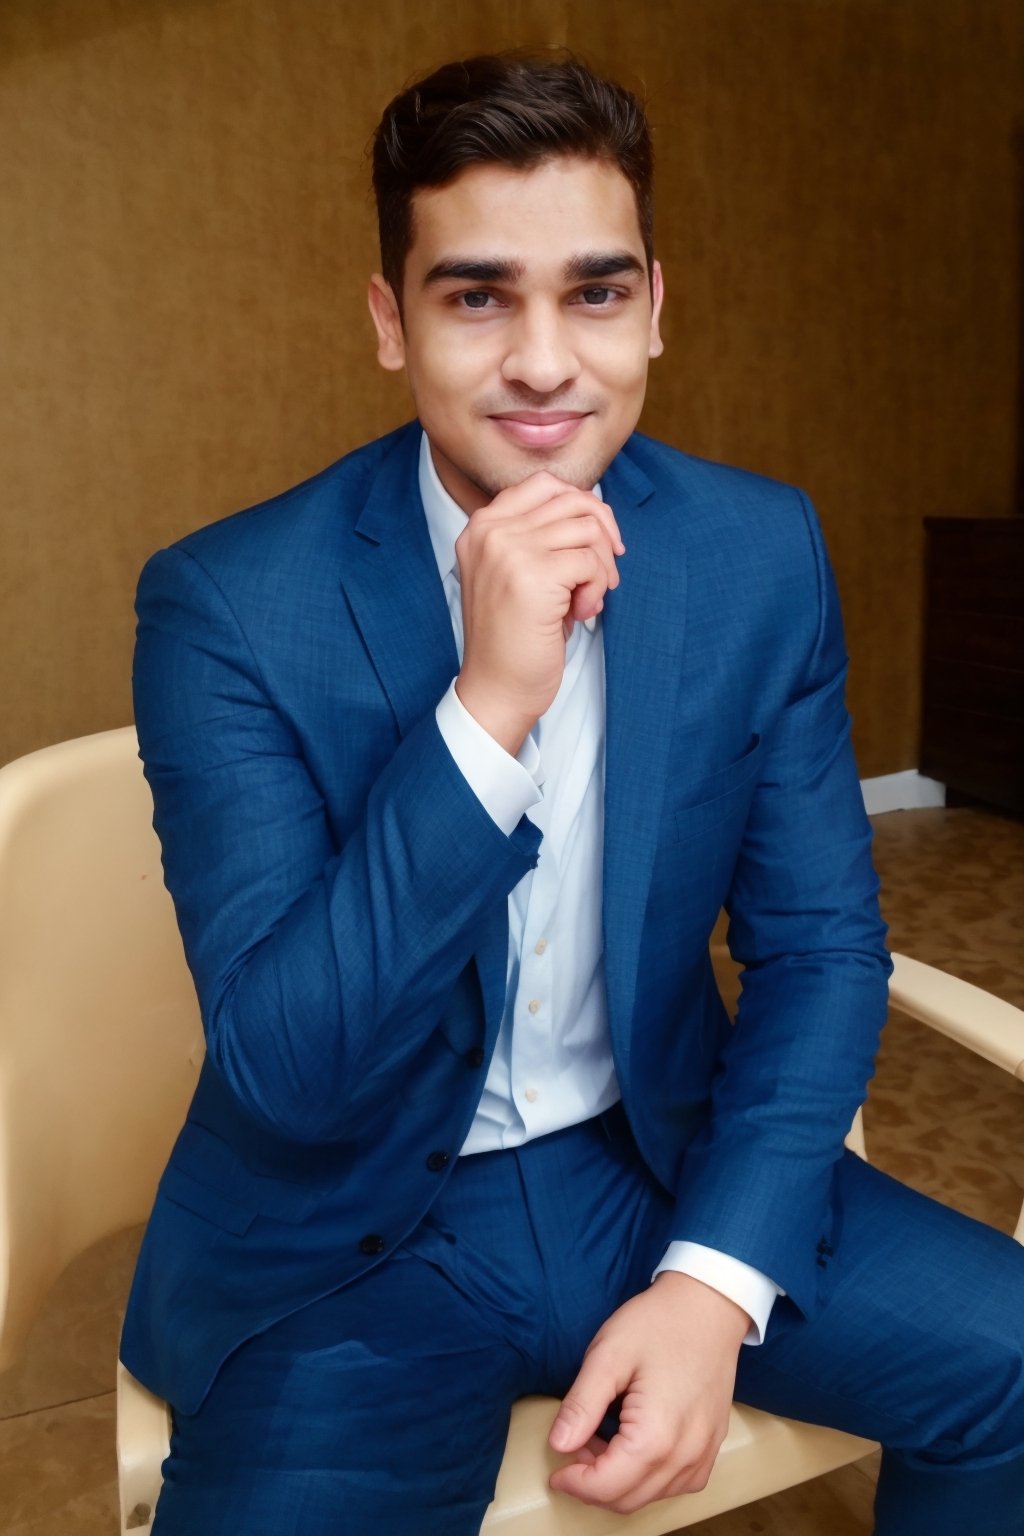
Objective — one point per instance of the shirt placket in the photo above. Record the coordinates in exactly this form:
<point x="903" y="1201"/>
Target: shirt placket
<point x="536" y="1020"/>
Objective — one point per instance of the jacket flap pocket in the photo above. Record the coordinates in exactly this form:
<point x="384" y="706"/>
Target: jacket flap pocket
<point x="204" y="1158"/>
<point x="203" y="1200"/>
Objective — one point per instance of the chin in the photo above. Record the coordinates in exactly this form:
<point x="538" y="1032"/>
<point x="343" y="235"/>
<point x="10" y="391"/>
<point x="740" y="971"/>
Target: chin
<point x="582" y="471"/>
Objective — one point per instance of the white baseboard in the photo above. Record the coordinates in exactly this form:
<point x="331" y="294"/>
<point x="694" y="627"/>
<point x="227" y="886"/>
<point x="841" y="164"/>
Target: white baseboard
<point x="907" y="791"/>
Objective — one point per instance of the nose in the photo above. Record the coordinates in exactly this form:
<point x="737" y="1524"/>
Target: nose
<point x="541" y="354"/>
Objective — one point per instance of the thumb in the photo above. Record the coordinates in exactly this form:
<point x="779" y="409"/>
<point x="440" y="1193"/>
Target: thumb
<point x="584" y="1406"/>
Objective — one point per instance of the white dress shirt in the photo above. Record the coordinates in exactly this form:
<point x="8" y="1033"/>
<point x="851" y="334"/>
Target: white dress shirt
<point x="552" y="1064"/>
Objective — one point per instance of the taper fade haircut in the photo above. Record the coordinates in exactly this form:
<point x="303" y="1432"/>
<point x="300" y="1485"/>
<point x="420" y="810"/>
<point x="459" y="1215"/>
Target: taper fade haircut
<point x="515" y="109"/>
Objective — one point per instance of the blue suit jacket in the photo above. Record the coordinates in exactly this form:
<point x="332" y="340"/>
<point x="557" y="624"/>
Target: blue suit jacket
<point x="342" y="893"/>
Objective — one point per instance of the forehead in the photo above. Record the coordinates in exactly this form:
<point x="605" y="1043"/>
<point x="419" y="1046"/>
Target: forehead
<point x="537" y="215"/>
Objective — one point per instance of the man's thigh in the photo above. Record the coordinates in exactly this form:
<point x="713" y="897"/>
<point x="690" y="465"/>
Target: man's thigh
<point x="383" y="1407"/>
<point x="920" y="1342"/>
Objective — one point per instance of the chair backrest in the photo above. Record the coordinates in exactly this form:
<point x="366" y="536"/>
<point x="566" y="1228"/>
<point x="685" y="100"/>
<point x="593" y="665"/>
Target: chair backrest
<point x="99" y="1027"/>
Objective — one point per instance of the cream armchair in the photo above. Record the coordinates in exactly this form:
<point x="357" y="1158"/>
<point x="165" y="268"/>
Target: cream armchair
<point x="100" y="1043"/>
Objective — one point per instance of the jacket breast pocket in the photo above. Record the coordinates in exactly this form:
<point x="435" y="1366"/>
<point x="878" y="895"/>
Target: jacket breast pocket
<point x="719" y="797"/>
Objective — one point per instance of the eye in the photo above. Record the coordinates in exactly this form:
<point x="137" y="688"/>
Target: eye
<point x="477" y="299"/>
<point x="597" y="297"/>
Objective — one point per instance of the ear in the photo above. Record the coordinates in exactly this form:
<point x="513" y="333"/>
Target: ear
<point x="388" y="324"/>
<point x="657" y="346"/>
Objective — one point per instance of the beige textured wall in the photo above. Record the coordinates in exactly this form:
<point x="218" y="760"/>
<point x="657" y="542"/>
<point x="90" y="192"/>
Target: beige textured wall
<point x="185" y="234"/>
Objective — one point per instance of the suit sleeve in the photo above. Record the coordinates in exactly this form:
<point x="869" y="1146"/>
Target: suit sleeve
<point x="320" y="970"/>
<point x="805" y="926"/>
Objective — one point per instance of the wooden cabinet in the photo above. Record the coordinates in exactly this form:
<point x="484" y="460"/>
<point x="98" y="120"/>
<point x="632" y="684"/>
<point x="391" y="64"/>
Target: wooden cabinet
<point x="972" y="727"/>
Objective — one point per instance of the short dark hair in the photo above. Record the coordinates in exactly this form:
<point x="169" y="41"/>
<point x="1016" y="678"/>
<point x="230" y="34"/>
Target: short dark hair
<point x="513" y="109"/>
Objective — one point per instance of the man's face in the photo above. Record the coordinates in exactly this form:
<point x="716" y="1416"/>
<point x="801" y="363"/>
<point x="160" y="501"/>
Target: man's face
<point x="528" y="323"/>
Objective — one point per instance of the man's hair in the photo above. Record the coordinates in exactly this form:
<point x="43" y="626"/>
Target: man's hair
<point x="514" y="109"/>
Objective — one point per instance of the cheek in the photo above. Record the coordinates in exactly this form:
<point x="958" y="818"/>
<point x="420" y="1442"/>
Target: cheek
<point x="447" y="372"/>
<point x="623" y="366"/>
<point x="434" y="385"/>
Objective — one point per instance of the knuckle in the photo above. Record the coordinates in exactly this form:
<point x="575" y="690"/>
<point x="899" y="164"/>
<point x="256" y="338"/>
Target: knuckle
<point x="470" y="541"/>
<point x="659" y="1448"/>
<point x="698" y="1480"/>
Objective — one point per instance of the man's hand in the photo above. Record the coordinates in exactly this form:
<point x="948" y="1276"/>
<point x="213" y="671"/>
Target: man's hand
<point x="539" y="557"/>
<point x="671" y="1354"/>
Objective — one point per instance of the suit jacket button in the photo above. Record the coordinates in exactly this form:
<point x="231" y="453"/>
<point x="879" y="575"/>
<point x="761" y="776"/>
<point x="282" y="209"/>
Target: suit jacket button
<point x="475" y="1057"/>
<point x="437" y="1160"/>
<point x="372" y="1244"/>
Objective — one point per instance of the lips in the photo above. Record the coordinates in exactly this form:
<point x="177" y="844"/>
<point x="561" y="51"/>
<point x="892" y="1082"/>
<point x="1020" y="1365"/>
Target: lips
<point x="539" y="429"/>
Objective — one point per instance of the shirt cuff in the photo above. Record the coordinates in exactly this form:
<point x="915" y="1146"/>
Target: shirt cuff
<point x="506" y="786"/>
<point x="740" y="1282"/>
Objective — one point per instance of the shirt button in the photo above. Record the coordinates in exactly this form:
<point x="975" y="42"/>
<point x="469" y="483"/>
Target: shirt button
<point x="372" y="1244"/>
<point x="540" y="946"/>
<point x="535" y="1005"/>
<point x="437" y="1160"/>
<point x="532" y="1095"/>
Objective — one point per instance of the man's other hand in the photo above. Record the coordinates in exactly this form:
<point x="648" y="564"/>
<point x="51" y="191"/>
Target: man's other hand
<point x="670" y="1354"/>
<point x="539" y="557"/>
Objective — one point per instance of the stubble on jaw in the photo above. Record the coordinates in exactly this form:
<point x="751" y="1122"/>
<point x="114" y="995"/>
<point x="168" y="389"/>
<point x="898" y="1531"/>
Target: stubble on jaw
<point x="583" y="474"/>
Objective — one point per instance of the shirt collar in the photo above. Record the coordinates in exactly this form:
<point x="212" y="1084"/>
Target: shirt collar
<point x="446" y="519"/>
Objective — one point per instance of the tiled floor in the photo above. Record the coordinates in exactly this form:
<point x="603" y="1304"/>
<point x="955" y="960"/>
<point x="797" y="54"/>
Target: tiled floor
<point x="953" y="892"/>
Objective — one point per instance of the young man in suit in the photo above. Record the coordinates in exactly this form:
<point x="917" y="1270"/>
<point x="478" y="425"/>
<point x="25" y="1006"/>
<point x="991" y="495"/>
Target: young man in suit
<point x="456" y="751"/>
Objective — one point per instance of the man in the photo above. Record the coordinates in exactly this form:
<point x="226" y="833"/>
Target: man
<point x="456" y="751"/>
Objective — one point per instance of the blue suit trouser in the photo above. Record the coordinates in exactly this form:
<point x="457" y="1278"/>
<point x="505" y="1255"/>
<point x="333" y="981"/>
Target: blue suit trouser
<point x="384" y="1407"/>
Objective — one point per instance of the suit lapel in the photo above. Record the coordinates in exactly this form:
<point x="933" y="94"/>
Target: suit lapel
<point x="643" y="638"/>
<point x="397" y="600"/>
<point x="395" y="593"/>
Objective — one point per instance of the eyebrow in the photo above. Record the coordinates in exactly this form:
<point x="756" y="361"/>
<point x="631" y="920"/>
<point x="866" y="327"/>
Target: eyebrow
<point x="591" y="265"/>
<point x="475" y="269"/>
<point x="587" y="266"/>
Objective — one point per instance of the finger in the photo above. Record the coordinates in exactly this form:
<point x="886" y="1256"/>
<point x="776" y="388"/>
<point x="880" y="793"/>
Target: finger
<point x="584" y="1406"/>
<point x="582" y="533"/>
<point x="585" y="603"/>
<point x="622" y="1478"/>
<point x="588" y="1454"/>
<point x="543" y="490"/>
<point x="577" y="504"/>
<point x="630" y="1475"/>
<point x="545" y="530"/>
<point x="583" y="580"/>
<point x="528" y="494"/>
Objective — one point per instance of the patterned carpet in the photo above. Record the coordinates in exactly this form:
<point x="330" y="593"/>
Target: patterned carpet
<point x="940" y="1119"/>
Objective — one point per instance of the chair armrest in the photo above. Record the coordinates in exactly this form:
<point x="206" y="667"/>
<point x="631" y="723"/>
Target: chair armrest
<point x="143" y="1440"/>
<point x="986" y="1025"/>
